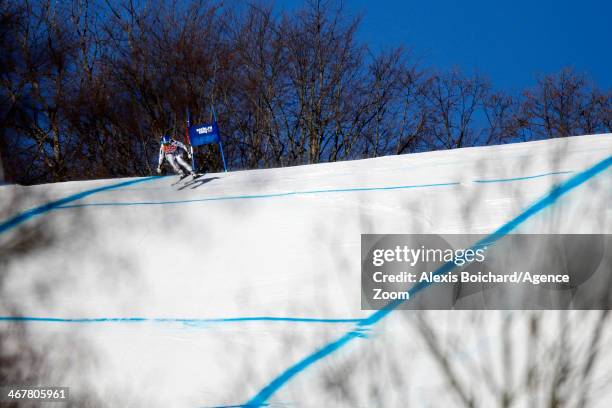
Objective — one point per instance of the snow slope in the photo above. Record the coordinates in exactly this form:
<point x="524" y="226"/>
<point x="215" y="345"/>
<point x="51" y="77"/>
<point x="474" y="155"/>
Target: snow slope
<point x="276" y="243"/>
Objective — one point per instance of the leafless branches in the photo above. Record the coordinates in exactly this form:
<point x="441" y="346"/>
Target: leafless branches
<point x="88" y="87"/>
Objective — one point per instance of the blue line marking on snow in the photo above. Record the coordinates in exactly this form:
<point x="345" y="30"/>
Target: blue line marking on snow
<point x="234" y="406"/>
<point x="522" y="178"/>
<point x="36" y="211"/>
<point x="265" y="393"/>
<point x="186" y="321"/>
<point x="256" y="196"/>
<point x="294" y="193"/>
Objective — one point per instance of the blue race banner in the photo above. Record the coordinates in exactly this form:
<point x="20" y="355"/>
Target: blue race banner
<point x="204" y="134"/>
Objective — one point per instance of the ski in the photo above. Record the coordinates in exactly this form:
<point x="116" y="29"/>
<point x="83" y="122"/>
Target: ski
<point x="188" y="179"/>
<point x="181" y="178"/>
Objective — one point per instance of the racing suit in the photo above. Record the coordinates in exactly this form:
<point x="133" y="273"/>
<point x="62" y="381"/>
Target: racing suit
<point x="172" y="153"/>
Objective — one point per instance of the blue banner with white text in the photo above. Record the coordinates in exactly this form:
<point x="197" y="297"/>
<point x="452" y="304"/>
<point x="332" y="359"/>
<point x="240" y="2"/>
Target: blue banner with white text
<point x="204" y="134"/>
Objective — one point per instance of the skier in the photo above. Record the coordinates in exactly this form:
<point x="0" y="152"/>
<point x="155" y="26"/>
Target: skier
<point x="170" y="149"/>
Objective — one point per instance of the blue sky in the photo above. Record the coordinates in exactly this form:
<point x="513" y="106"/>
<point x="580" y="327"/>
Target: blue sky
<point x="511" y="42"/>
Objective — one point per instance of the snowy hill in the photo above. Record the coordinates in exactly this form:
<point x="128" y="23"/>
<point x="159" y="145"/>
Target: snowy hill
<point x="202" y="293"/>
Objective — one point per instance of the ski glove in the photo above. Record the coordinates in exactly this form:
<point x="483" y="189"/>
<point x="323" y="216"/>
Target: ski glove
<point x="158" y="170"/>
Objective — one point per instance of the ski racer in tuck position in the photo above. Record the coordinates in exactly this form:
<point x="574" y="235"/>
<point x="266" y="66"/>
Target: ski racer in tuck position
<point x="170" y="150"/>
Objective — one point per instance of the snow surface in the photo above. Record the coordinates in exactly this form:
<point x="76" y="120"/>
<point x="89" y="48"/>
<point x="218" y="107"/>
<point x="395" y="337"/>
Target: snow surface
<point x="276" y="242"/>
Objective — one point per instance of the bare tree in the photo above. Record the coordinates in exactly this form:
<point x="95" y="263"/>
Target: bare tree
<point x="451" y="102"/>
<point x="536" y="358"/>
<point x="260" y="110"/>
<point x="565" y="104"/>
<point x="323" y="63"/>
<point x="503" y="120"/>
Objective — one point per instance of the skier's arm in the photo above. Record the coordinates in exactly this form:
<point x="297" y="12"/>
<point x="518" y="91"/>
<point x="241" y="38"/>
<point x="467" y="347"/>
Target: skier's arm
<point x="161" y="157"/>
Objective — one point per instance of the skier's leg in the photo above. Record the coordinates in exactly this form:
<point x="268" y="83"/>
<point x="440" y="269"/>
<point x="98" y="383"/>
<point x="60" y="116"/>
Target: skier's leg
<point x="172" y="160"/>
<point x="184" y="164"/>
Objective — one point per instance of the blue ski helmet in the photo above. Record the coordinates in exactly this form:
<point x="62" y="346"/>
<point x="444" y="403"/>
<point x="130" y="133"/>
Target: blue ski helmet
<point x="165" y="139"/>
